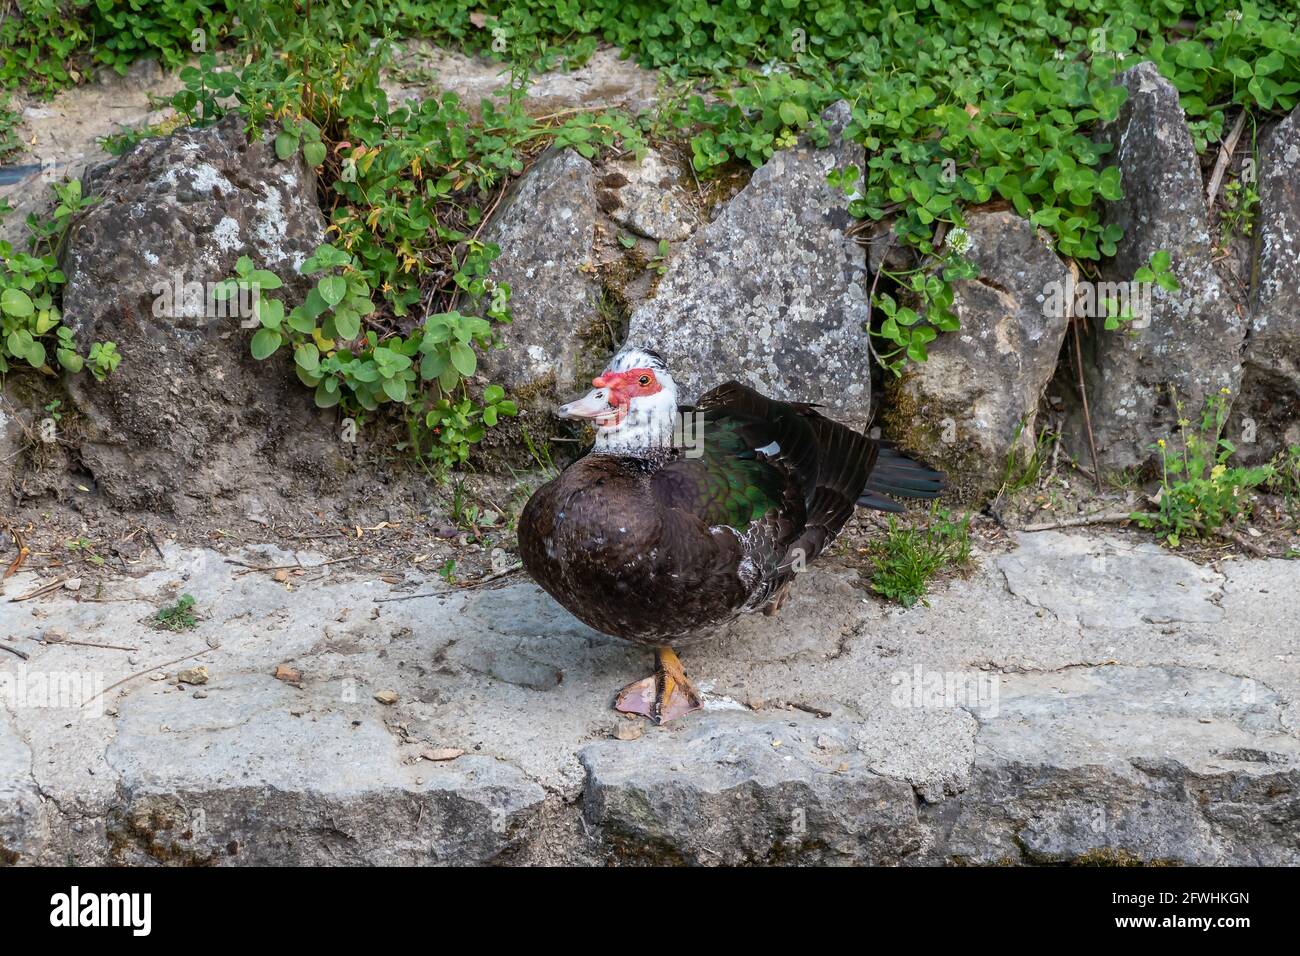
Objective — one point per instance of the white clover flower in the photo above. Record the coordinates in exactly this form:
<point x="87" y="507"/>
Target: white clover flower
<point x="958" y="240"/>
<point x="1234" y="15"/>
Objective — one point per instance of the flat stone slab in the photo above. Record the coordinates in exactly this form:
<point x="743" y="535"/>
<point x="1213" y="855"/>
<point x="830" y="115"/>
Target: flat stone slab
<point x="990" y="726"/>
<point x="1108" y="582"/>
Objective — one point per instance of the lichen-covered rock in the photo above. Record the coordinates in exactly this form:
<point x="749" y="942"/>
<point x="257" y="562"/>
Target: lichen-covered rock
<point x="546" y="227"/>
<point x="975" y="399"/>
<point x="189" y="414"/>
<point x="644" y="197"/>
<point x="1266" y="416"/>
<point x="772" y="292"/>
<point x="1191" y="341"/>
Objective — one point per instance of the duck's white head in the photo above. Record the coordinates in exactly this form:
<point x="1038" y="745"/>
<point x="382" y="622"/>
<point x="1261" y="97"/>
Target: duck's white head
<point x="633" y="404"/>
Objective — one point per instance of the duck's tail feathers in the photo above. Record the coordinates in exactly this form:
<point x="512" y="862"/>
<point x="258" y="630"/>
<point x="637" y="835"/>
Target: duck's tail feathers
<point x="897" y="475"/>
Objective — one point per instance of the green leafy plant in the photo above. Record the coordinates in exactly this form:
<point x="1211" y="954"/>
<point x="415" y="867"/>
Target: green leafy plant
<point x="909" y="556"/>
<point x="1023" y="469"/>
<point x="424" y="372"/>
<point x="659" y="261"/>
<point x="1237" y="218"/>
<point x="31" y="329"/>
<point x="956" y="102"/>
<point x="1155" y="272"/>
<point x="1199" y="492"/>
<point x="910" y="326"/>
<point x="9" y="119"/>
<point x="178" y="616"/>
<point x="448" y="571"/>
<point x="205" y="86"/>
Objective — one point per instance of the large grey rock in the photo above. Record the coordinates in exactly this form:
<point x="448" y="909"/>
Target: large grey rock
<point x="1192" y="339"/>
<point x="974" y="401"/>
<point x="1266" y="416"/>
<point x="546" y="228"/>
<point x="772" y="292"/>
<point x="189" y="414"/>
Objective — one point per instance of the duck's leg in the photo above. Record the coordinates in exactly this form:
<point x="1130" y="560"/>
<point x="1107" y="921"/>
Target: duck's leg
<point x="668" y="694"/>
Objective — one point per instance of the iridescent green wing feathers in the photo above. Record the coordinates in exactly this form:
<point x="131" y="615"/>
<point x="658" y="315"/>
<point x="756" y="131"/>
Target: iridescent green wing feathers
<point x="728" y="484"/>
<point x="757" y="458"/>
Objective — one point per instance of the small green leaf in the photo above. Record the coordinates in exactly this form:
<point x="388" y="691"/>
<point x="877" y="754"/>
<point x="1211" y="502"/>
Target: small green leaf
<point x="70" y="360"/>
<point x="286" y="144"/>
<point x="463" y="359"/>
<point x="314" y="153"/>
<point x="395" y="388"/>
<point x="324" y="397"/>
<point x="307" y="356"/>
<point x="792" y="114"/>
<point x="332" y="290"/>
<point x="16" y="302"/>
<point x="347" y="323"/>
<point x="265" y="342"/>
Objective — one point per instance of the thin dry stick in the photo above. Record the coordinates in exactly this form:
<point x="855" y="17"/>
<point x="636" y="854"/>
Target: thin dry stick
<point x="109" y="647"/>
<point x="1115" y="518"/>
<point x="517" y="566"/>
<point x="411" y="597"/>
<point x="147" y="670"/>
<point x="479" y="582"/>
<point x="1225" y="157"/>
<point x="43" y="589"/>
<point x="13" y="650"/>
<point x="290" y="567"/>
<point x="1083" y="397"/>
<point x="1245" y="543"/>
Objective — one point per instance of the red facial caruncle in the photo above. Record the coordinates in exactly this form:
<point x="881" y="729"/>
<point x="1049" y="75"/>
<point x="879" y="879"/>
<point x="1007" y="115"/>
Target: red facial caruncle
<point x="622" y="387"/>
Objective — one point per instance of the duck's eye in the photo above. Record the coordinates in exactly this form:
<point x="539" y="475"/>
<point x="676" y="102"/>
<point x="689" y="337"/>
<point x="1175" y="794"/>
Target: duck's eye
<point x="643" y="381"/>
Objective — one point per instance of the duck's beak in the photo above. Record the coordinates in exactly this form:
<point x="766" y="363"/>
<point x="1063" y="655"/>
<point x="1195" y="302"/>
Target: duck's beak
<point x="592" y="405"/>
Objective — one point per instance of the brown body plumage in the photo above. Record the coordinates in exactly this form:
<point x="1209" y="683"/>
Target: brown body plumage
<point x="642" y="548"/>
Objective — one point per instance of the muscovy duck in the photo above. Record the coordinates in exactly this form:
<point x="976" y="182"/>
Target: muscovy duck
<point x="656" y="543"/>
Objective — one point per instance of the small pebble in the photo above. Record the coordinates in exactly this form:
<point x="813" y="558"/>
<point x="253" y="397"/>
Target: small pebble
<point x="629" y="730"/>
<point x="386" y="697"/>
<point x="200" y="694"/>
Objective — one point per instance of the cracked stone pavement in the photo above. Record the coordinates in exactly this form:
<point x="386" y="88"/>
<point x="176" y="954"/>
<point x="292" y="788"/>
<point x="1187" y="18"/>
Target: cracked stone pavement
<point x="1078" y="698"/>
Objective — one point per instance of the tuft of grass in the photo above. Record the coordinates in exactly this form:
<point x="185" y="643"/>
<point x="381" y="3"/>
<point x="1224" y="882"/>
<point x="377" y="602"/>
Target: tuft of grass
<point x="178" y="616"/>
<point x="910" y="555"/>
<point x="1023" y="470"/>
